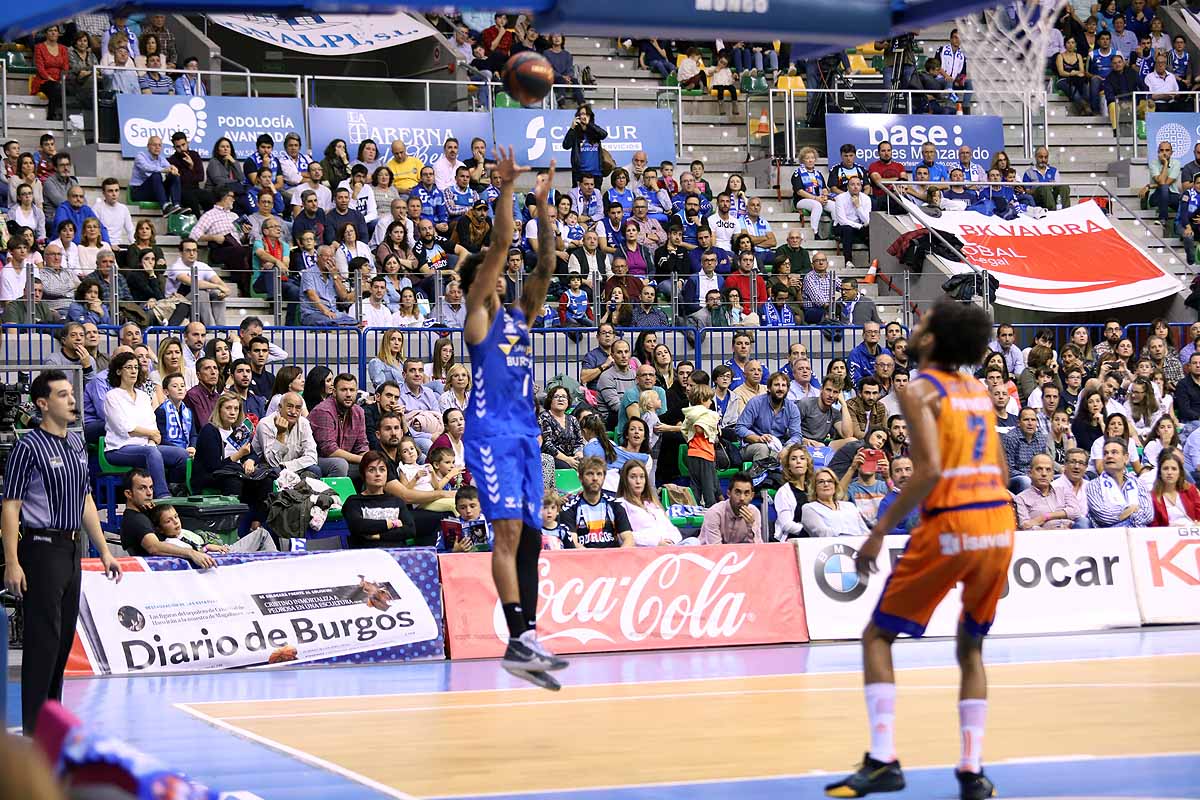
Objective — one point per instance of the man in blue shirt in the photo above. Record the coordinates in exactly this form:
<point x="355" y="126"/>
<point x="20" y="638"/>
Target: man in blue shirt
<point x="937" y="170"/>
<point x="76" y="211"/>
<point x="156" y="179"/>
<point x="901" y="470"/>
<point x="1046" y="191"/>
<point x="769" y="422"/>
<point x="433" y="202"/>
<point x="862" y="357"/>
<point x="263" y="157"/>
<point x="322" y="288"/>
<point x="704" y="244"/>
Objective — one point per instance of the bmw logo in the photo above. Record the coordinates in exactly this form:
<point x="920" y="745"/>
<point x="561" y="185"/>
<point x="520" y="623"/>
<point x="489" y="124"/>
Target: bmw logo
<point x="836" y="575"/>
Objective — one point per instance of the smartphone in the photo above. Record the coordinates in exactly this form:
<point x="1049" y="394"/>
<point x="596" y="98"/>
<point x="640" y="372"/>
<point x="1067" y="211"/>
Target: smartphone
<point x="871" y="458"/>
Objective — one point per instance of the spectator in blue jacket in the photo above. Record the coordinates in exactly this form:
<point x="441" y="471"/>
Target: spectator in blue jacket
<point x="433" y="202"/>
<point x="862" y="357"/>
<point x="769" y="422"/>
<point x="75" y="210"/>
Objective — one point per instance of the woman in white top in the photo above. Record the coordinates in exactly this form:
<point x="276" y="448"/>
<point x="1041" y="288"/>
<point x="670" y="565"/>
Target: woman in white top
<point x="26" y="210"/>
<point x="132" y="438"/>
<point x="648" y="519"/>
<point x="1116" y="426"/>
<point x="458" y="387"/>
<point x="830" y="514"/>
<point x="26" y="176"/>
<point x="348" y="248"/>
<point x="1142" y="408"/>
<point x="797" y="488"/>
<point x="66" y="239"/>
<point x="408" y="313"/>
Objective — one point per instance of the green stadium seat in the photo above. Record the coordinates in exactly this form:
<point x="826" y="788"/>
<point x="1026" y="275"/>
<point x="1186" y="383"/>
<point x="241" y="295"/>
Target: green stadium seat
<point x="567" y="481"/>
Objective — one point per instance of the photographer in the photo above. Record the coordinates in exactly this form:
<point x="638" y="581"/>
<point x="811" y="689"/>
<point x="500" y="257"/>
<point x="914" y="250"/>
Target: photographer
<point x="583" y="141"/>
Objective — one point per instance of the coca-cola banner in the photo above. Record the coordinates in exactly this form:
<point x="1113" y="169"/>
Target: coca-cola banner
<point x="647" y="598"/>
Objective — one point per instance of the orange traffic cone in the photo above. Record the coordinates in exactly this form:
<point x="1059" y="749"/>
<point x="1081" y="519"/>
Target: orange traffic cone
<point x="764" y="125"/>
<point x="872" y="272"/>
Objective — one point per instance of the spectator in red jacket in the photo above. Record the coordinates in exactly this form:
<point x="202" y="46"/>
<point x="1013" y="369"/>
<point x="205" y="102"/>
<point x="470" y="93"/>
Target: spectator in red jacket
<point x="51" y="61"/>
<point x="1176" y="499"/>
<point x="498" y="38"/>
<point x="741" y="278"/>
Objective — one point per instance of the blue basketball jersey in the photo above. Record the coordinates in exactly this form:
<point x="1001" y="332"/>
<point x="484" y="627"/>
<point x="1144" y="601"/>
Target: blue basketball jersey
<point x="501" y="401"/>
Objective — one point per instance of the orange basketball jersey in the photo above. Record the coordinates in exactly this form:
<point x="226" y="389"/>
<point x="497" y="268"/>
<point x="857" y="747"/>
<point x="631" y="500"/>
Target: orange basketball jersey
<point x="969" y="446"/>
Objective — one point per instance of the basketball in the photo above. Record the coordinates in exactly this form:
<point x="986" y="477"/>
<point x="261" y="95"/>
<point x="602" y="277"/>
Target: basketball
<point x="528" y="77"/>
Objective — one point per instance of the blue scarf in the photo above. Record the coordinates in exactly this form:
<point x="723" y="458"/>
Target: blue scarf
<point x="179" y="424"/>
<point x="776" y="317"/>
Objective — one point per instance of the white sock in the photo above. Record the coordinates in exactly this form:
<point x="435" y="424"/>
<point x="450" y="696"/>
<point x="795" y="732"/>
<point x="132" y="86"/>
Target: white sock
<point x="972" y="716"/>
<point x="881" y="713"/>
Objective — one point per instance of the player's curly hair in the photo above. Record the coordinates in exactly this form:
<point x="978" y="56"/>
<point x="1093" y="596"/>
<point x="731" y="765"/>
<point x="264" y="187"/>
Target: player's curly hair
<point x="961" y="332"/>
<point x="468" y="268"/>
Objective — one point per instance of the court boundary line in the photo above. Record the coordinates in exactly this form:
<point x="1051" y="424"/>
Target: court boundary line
<point x="706" y="678"/>
<point x="689" y="695"/>
<point x="300" y="755"/>
<point x="1073" y="758"/>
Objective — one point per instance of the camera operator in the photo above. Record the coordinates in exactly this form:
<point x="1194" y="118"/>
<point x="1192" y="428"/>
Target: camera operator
<point x="46" y="504"/>
<point x="900" y="62"/>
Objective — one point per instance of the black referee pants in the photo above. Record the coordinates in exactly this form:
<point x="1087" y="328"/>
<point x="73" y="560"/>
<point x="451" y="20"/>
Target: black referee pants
<point x="51" y="609"/>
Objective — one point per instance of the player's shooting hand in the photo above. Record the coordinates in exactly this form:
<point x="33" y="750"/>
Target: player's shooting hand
<point x="867" y="554"/>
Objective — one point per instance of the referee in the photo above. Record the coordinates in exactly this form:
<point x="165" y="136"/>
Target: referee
<point x="46" y="500"/>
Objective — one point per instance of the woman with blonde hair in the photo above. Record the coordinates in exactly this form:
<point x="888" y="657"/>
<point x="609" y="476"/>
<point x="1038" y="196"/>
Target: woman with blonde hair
<point x="830" y="513"/>
<point x="458" y="388"/>
<point x="797" y="488"/>
<point x="388" y="363"/>
<point x="810" y="192"/>
<point x="648" y="519"/>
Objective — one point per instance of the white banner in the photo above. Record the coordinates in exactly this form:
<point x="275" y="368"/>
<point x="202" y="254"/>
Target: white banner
<point x="260" y="613"/>
<point x="327" y="34"/>
<point x="1069" y="260"/>
<point x="1059" y="581"/>
<point x="1166" y="572"/>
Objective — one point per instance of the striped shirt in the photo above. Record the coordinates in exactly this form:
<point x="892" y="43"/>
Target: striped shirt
<point x="49" y="475"/>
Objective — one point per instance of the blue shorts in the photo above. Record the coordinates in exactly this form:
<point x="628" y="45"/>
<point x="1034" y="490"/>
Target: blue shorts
<point x="508" y="473"/>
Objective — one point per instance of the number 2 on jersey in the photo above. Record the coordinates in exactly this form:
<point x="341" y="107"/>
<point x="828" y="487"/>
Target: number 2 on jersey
<point x="978" y="426"/>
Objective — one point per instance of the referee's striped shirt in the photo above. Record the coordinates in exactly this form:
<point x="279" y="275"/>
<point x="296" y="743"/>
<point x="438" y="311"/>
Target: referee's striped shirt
<point x="49" y="475"/>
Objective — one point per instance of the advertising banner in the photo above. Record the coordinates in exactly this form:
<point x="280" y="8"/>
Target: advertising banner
<point x="352" y="606"/>
<point x="634" y="599"/>
<point x="907" y="132"/>
<point x="537" y="134"/>
<point x="422" y="131"/>
<point x="1166" y="572"/>
<point x="1181" y="129"/>
<point x="205" y="120"/>
<point x="1058" y="581"/>
<point x="327" y="34"/>
<point x="1070" y="260"/>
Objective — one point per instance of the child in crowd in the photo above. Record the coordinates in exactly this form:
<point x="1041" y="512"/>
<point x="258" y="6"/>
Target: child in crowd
<point x="701" y="429"/>
<point x="555" y="535"/>
<point x="445" y="474"/>
<point x="650" y="404"/>
<point x="174" y="417"/>
<point x="720" y="78"/>
<point x="169" y="528"/>
<point x="575" y="230"/>
<point x="415" y="475"/>
<point x="573" y="308"/>
<point x="666" y="180"/>
<point x="469" y="532"/>
<point x="697" y="170"/>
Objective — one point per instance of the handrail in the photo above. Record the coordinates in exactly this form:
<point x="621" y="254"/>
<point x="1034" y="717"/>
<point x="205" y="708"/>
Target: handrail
<point x="227" y="60"/>
<point x="1194" y="94"/>
<point x="4" y="98"/>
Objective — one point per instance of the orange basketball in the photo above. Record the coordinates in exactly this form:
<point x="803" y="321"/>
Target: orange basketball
<point x="528" y="77"/>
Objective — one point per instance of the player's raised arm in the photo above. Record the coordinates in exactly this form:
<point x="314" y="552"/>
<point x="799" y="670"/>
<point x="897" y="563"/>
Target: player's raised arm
<point x="481" y="293"/>
<point x="533" y="297"/>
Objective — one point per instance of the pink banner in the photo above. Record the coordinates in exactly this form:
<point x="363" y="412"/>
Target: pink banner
<point x="649" y="598"/>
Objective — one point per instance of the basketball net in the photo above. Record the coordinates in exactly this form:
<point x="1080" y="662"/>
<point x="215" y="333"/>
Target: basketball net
<point x="1006" y="59"/>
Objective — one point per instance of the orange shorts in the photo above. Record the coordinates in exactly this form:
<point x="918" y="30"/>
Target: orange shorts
<point x="972" y="546"/>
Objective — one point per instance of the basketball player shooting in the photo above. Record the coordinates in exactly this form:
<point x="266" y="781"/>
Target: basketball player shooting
<point x="965" y="535"/>
<point x="501" y="435"/>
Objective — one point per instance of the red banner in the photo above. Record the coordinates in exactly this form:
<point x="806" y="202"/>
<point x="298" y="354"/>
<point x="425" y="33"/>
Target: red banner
<point x="1069" y="260"/>
<point x="635" y="599"/>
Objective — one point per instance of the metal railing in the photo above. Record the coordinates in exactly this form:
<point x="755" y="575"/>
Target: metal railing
<point x="4" y="98"/>
<point x="791" y="118"/>
<point x="1147" y="97"/>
